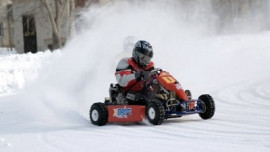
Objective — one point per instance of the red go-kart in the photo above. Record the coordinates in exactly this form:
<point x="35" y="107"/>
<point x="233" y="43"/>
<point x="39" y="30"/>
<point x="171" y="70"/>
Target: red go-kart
<point x="162" y="98"/>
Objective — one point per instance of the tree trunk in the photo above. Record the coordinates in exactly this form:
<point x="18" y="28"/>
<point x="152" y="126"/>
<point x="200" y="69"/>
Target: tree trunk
<point x="55" y="21"/>
<point x="72" y="29"/>
<point x="57" y="35"/>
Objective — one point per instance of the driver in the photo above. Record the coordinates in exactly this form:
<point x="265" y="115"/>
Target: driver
<point x="131" y="71"/>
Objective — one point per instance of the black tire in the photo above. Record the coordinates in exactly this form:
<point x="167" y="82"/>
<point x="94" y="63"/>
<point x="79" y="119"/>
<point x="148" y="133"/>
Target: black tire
<point x="208" y="106"/>
<point x="155" y="112"/>
<point x="189" y="95"/>
<point x="98" y="114"/>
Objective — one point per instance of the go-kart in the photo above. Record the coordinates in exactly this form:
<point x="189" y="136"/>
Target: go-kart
<point x="162" y="98"/>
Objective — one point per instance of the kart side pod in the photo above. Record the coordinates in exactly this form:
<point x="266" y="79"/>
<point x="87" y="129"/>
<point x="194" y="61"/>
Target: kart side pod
<point x="126" y="113"/>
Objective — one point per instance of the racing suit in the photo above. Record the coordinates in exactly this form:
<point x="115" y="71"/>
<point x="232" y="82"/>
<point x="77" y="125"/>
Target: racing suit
<point x="125" y="74"/>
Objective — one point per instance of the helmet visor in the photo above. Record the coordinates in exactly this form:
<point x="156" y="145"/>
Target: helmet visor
<point x="144" y="59"/>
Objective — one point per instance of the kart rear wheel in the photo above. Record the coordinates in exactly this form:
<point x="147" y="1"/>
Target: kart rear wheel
<point x="155" y="112"/>
<point x="208" y="106"/>
<point x="98" y="114"/>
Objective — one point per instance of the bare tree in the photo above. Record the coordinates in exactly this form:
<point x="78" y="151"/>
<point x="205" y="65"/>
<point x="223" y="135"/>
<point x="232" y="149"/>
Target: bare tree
<point x="71" y="13"/>
<point x="59" y="12"/>
<point x="56" y="17"/>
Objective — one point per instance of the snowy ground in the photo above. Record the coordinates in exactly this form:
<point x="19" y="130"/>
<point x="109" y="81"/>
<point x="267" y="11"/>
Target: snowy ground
<point x="17" y="71"/>
<point x="45" y="97"/>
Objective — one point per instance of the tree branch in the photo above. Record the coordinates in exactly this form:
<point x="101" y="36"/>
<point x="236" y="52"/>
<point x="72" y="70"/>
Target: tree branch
<point x="63" y="8"/>
<point x="62" y="12"/>
<point x="54" y="22"/>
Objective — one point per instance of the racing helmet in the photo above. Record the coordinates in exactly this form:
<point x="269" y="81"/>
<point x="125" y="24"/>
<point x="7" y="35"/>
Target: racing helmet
<point x="142" y="53"/>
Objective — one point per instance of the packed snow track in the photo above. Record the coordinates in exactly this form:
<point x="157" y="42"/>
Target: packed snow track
<point x="241" y="123"/>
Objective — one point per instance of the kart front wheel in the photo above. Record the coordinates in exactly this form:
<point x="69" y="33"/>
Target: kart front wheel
<point x="98" y="114"/>
<point x="208" y="106"/>
<point x="155" y="112"/>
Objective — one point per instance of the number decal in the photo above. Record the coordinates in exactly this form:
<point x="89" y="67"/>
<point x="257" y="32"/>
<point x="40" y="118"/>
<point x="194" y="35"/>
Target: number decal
<point x="169" y="79"/>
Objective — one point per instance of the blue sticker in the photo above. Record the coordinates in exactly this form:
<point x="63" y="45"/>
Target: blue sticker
<point x="122" y="112"/>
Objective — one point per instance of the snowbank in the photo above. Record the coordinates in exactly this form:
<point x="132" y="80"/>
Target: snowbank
<point x="5" y="51"/>
<point x="20" y="70"/>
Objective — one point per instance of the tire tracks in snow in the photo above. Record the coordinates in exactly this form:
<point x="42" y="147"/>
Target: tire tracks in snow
<point x="244" y="111"/>
<point x="238" y="122"/>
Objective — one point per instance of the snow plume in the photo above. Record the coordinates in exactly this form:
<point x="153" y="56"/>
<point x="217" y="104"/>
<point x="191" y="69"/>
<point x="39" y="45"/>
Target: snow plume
<point x="237" y="16"/>
<point x="184" y="43"/>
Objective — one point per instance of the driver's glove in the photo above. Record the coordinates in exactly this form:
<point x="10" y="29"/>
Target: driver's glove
<point x="146" y="75"/>
<point x="142" y="75"/>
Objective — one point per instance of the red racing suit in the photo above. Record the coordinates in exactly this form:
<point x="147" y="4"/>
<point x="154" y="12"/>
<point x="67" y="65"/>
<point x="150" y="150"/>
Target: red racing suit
<point x="125" y="74"/>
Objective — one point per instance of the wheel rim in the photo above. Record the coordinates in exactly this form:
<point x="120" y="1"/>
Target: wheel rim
<point x="203" y="107"/>
<point x="151" y="113"/>
<point x="95" y="115"/>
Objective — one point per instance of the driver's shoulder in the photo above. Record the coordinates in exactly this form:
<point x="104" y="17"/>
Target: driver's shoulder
<point x="123" y="64"/>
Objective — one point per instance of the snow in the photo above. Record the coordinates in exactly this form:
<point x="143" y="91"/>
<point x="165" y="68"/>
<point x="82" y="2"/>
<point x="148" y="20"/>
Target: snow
<point x="45" y="97"/>
<point x="6" y="51"/>
<point x="18" y="70"/>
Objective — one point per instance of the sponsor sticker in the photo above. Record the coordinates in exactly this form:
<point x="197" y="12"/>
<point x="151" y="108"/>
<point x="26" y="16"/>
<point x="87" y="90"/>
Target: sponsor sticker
<point x="122" y="112"/>
<point x="169" y="79"/>
<point x="130" y="96"/>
